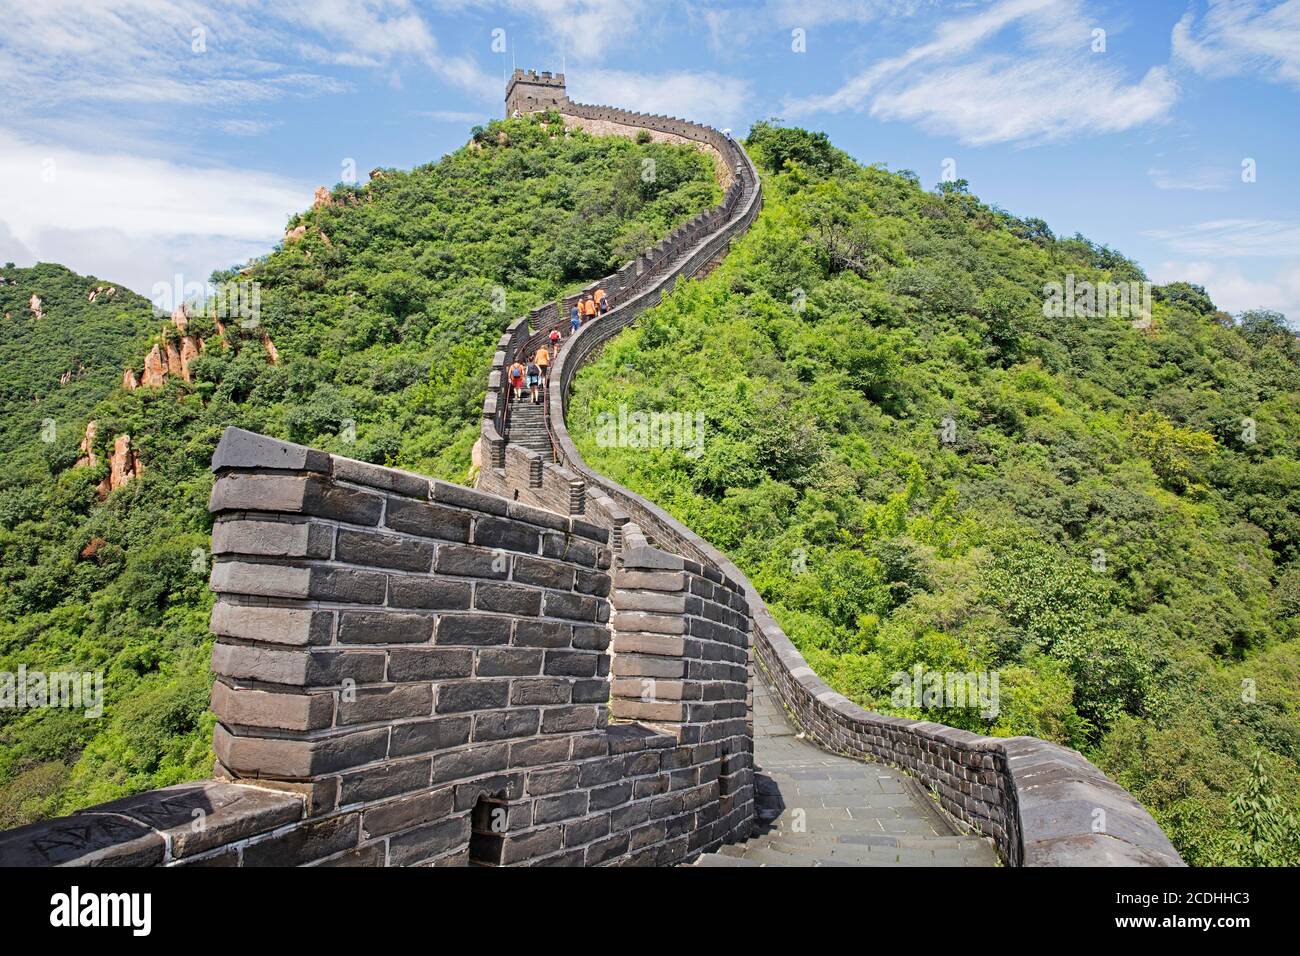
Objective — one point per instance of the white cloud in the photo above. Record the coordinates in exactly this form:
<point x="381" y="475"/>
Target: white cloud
<point x="455" y="116"/>
<point x="1234" y="291"/>
<point x="246" y="127"/>
<point x="1202" y="179"/>
<point x="1052" y="88"/>
<point x="1232" y="238"/>
<point x="197" y="52"/>
<point x="136" y="220"/>
<point x="704" y="97"/>
<point x="1240" y="38"/>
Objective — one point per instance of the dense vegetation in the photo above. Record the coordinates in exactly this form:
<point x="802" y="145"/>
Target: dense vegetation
<point x="915" y="466"/>
<point x="385" y="313"/>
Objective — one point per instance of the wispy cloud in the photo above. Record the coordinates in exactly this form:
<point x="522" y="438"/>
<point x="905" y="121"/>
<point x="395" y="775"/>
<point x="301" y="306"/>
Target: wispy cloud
<point x="61" y="52"/>
<point x="705" y="97"/>
<point x="1234" y="291"/>
<point x="455" y="116"/>
<point x="1241" y="38"/>
<point x="246" y="127"/>
<point x="1232" y="238"/>
<point x="136" y="219"/>
<point x="1052" y="87"/>
<point x="1202" y="179"/>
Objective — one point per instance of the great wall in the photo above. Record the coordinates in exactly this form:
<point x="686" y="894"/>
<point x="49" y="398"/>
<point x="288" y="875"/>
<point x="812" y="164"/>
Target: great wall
<point x="549" y="669"/>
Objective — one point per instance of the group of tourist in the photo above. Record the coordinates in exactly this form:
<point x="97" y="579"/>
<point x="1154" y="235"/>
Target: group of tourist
<point x="533" y="375"/>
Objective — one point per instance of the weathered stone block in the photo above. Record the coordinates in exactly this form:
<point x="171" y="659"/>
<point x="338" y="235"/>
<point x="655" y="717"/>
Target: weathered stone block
<point x="374" y="549"/>
<point x="385" y="627"/>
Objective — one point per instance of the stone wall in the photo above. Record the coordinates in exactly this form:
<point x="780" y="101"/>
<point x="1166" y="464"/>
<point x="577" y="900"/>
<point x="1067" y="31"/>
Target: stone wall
<point x="409" y="672"/>
<point x="1042" y="804"/>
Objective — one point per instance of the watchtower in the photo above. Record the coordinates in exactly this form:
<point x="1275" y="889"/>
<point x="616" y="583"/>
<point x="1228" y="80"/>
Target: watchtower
<point x="532" y="92"/>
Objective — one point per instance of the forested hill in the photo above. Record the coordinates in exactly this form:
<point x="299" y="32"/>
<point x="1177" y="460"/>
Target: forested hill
<point x="375" y="325"/>
<point x="915" y="466"/>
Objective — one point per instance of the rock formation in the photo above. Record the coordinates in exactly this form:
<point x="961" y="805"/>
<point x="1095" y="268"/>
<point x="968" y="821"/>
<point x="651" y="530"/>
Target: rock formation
<point x="189" y="352"/>
<point x="129" y="380"/>
<point x="155" y="369"/>
<point x="321" y="198"/>
<point x="34" y="303"/>
<point x="88" y="457"/>
<point x="123" y="466"/>
<point x="296" y="233"/>
<point x="271" y="352"/>
<point x="174" y="359"/>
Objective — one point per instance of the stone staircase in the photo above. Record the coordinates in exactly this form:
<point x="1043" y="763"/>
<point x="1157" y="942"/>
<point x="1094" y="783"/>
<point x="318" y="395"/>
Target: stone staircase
<point x="819" y="809"/>
<point x="528" y="427"/>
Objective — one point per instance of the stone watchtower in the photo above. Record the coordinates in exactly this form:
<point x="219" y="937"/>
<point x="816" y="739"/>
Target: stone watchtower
<point x="533" y="92"/>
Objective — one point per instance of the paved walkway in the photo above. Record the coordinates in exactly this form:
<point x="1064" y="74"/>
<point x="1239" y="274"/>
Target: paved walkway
<point x="819" y="809"/>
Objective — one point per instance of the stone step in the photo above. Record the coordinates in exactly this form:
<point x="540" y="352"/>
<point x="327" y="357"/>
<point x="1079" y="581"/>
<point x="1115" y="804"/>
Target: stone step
<point x="716" y="859"/>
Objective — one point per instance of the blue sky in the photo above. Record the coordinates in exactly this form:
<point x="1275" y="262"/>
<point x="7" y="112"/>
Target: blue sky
<point x="144" y="138"/>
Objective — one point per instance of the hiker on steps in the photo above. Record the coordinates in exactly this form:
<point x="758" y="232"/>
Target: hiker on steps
<point x="588" y="308"/>
<point x="555" y="341"/>
<point x="516" y="372"/>
<point x="534" y="380"/>
<point x="543" y="360"/>
<point x="601" y="301"/>
<point x="575" y="316"/>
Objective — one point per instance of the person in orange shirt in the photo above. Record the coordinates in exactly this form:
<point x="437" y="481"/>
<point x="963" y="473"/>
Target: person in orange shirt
<point x="543" y="361"/>
<point x="601" y="301"/>
<point x="588" y="309"/>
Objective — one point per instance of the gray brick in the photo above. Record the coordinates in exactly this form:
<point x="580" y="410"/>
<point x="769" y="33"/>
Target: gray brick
<point x="564" y="806"/>
<point x="428" y="520"/>
<point x="474" y="630"/>
<point x="577" y="607"/>
<point x="458" y="696"/>
<point x="570" y="664"/>
<point x="501" y="725"/>
<point x="504" y="533"/>
<point x="471" y="562"/>
<point x="439" y="663"/>
<point x="385" y="627"/>
<point x="507" y="599"/>
<point x="347" y="585"/>
<point x="546" y="574"/>
<point x="377" y="550"/>
<point x="429" y="735"/>
<point x="543" y="634"/>
<point x="509" y="662"/>
<point x="429" y="592"/>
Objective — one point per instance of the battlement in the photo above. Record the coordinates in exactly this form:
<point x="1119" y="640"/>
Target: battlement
<point x="531" y="92"/>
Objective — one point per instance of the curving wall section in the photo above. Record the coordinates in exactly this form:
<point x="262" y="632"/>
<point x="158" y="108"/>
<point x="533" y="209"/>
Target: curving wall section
<point x="1042" y="804"/>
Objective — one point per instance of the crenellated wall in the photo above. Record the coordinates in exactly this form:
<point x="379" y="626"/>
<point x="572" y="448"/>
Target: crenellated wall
<point x="409" y="672"/>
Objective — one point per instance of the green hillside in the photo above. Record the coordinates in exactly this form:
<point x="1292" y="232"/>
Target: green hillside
<point x="916" y="467"/>
<point x="384" y="312"/>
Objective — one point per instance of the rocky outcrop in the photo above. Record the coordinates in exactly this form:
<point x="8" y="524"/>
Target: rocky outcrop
<point x="34" y="303"/>
<point x="189" y="352"/>
<point x="321" y="198"/>
<point x="181" y="318"/>
<point x="124" y="465"/>
<point x="107" y="292"/>
<point x="271" y="353"/>
<point x="88" y="457"/>
<point x="129" y="380"/>
<point x="155" y="369"/>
